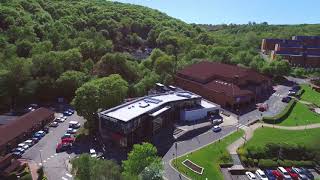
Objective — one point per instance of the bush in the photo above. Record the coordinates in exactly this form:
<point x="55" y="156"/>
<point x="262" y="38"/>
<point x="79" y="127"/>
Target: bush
<point x="281" y="116"/>
<point x="300" y="92"/>
<point x="267" y="163"/>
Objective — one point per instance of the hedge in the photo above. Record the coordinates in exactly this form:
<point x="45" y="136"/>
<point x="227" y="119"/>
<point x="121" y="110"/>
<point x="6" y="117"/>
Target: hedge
<point x="300" y="92"/>
<point x="281" y="116"/>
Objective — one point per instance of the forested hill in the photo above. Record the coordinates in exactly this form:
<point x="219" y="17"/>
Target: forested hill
<point x="50" y="48"/>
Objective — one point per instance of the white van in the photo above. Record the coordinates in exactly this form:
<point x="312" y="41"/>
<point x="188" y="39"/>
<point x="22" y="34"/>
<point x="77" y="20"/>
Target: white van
<point x="74" y="124"/>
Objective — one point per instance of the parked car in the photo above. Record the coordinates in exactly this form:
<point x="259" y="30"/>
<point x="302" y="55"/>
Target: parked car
<point x="63" y="146"/>
<point x="46" y="129"/>
<point x="217" y="121"/>
<point x="35" y="139"/>
<point x="41" y="133"/>
<point x="74" y="124"/>
<point x="269" y="174"/>
<point x="67" y="113"/>
<point x="66" y="135"/>
<point x="292" y="93"/>
<point x="216" y="129"/>
<point x="317" y="168"/>
<point x="68" y="140"/>
<point x="250" y="175"/>
<point x="70" y="111"/>
<point x="277" y="174"/>
<point x="284" y="173"/>
<point x="286" y="99"/>
<point x="17" y="152"/>
<point x="54" y="124"/>
<point x="61" y="119"/>
<point x="32" y="107"/>
<point x="299" y="172"/>
<point x="261" y="175"/>
<point x="71" y="131"/>
<point x="23" y="146"/>
<point x="306" y="172"/>
<point x="296" y="87"/>
<point x="293" y="175"/>
<point x="29" y="142"/>
<point x="93" y="153"/>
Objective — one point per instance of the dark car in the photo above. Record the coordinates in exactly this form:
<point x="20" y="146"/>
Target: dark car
<point x="46" y="129"/>
<point x="217" y="121"/>
<point x="317" y="168"/>
<point x="269" y="174"/>
<point x="67" y="113"/>
<point x="286" y="99"/>
<point x="306" y="172"/>
<point x="296" y="88"/>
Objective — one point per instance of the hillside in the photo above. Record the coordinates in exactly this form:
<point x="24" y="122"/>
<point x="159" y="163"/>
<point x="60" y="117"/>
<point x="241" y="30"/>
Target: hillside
<point x="49" y="48"/>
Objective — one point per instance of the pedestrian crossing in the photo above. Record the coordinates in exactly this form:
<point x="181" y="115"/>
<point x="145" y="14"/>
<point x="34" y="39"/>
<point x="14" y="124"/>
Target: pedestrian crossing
<point x="69" y="176"/>
<point x="241" y="126"/>
<point x="278" y="95"/>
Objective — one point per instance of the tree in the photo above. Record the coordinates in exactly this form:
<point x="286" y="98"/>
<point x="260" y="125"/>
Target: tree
<point x="164" y="64"/>
<point x="24" y="48"/>
<point x="153" y="172"/>
<point x="70" y="81"/>
<point x="87" y="168"/>
<point x="14" y="78"/>
<point x="101" y="93"/>
<point x="141" y="156"/>
<point x="146" y="83"/>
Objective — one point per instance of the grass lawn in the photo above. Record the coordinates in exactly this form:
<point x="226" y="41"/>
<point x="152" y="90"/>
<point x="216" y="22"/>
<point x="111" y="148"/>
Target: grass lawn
<point x="300" y="115"/>
<point x="310" y="95"/>
<point x="209" y="158"/>
<point x="265" y="135"/>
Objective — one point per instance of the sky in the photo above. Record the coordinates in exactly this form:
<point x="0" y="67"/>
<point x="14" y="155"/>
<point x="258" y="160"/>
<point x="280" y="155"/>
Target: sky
<point x="238" y="11"/>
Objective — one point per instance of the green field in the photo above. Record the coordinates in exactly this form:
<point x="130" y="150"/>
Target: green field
<point x="300" y="115"/>
<point x="209" y="158"/>
<point x="310" y="95"/>
<point x="265" y="135"/>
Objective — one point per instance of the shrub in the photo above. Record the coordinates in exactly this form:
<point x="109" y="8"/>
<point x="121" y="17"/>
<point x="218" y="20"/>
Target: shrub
<point x="267" y="163"/>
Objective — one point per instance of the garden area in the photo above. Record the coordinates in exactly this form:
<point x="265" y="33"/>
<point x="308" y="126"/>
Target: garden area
<point x="209" y="158"/>
<point x="310" y="95"/>
<point x="271" y="147"/>
<point x="300" y="115"/>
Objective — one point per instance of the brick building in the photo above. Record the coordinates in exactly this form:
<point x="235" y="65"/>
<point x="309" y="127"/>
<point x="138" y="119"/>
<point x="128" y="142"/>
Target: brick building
<point x="22" y="128"/>
<point x="301" y="51"/>
<point x="232" y="87"/>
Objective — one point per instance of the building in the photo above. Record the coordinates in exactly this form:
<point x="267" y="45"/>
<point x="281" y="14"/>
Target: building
<point x="22" y="128"/>
<point x="139" y="120"/>
<point x="300" y="51"/>
<point x="230" y="86"/>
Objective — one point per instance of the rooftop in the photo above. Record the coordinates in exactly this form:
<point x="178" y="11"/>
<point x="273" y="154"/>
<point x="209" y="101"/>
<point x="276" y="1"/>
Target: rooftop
<point x="229" y="89"/>
<point x="146" y="104"/>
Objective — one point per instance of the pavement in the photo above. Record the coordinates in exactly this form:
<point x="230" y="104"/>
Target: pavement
<point x="44" y="152"/>
<point x="209" y="137"/>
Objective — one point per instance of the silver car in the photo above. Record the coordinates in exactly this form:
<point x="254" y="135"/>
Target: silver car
<point x="300" y="173"/>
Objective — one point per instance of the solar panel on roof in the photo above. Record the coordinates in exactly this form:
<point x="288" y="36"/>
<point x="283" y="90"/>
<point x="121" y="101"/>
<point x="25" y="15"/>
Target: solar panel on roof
<point x="152" y="100"/>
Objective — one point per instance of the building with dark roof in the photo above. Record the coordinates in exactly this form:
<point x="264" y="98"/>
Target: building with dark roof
<point x="301" y="51"/>
<point x="22" y="128"/>
<point x="230" y="86"/>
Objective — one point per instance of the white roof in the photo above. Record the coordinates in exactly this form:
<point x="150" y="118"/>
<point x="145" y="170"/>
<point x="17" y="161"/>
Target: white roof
<point x="132" y="109"/>
<point x="160" y="111"/>
<point x="73" y="122"/>
<point x="207" y="104"/>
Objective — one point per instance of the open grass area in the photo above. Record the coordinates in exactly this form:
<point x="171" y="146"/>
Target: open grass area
<point x="300" y="115"/>
<point x="209" y="158"/>
<point x="265" y="135"/>
<point x="310" y="95"/>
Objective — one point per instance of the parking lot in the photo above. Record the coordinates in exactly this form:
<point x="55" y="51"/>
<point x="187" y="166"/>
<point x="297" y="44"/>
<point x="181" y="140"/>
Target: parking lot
<point x="44" y="152"/>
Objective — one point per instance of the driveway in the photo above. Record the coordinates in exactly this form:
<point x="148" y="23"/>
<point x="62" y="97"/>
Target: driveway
<point x="44" y="152"/>
<point x="184" y="147"/>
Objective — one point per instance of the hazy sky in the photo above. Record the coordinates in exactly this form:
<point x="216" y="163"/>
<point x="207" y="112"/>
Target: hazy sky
<point x="238" y="11"/>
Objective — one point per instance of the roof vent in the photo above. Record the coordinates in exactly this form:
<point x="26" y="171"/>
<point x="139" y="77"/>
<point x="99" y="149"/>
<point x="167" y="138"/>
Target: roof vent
<point x="144" y="105"/>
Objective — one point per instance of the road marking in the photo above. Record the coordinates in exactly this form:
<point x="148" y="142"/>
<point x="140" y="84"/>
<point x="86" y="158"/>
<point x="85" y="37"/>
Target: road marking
<point x="64" y="178"/>
<point x="40" y="164"/>
<point x="55" y="154"/>
<point x="48" y="158"/>
<point x="69" y="175"/>
<point x="44" y="161"/>
<point x="52" y="156"/>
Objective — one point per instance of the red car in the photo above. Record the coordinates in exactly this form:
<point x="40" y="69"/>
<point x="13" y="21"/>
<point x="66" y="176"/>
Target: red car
<point x="277" y="174"/>
<point x="67" y="140"/>
<point x="294" y="175"/>
<point x="63" y="147"/>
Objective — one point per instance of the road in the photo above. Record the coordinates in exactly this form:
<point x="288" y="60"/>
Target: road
<point x="185" y="147"/>
<point x="44" y="152"/>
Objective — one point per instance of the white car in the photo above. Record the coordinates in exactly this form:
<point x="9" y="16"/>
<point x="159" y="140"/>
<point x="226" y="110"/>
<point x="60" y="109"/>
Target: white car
<point x="261" y="175"/>
<point x="23" y="146"/>
<point x="284" y="172"/>
<point x="71" y="131"/>
<point x="250" y="175"/>
<point x="61" y="119"/>
<point x="74" y="124"/>
<point x="93" y="153"/>
<point x="29" y="142"/>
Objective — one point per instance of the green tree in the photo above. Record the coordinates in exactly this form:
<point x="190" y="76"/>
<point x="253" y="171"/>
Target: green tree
<point x="141" y="156"/>
<point x="87" y="168"/>
<point x="70" y="81"/>
<point x="24" y="48"/>
<point x="153" y="172"/>
<point x="101" y="93"/>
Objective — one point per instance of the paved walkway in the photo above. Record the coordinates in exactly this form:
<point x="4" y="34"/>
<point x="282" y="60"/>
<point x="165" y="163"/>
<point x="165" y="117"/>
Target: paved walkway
<point x="249" y="131"/>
